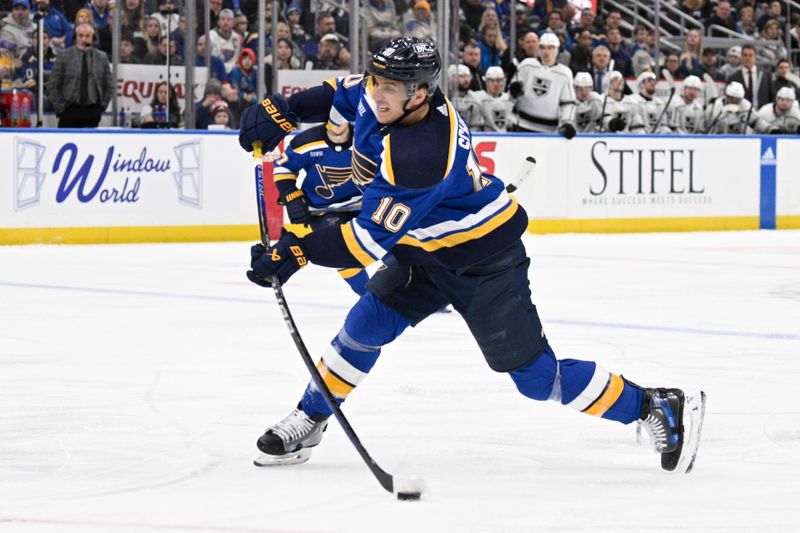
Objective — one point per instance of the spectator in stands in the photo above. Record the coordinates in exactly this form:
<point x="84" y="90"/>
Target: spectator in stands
<point x="555" y="24"/>
<point x="244" y="76"/>
<point x="782" y="69"/>
<point x="710" y="65"/>
<point x="489" y="19"/>
<point x="214" y="9"/>
<point x="473" y="11"/>
<point x="527" y="46"/>
<point x="691" y="56"/>
<point x="225" y="43"/>
<point x="733" y="60"/>
<point x="672" y="67"/>
<point x="18" y="26"/>
<point x="774" y="12"/>
<point x="326" y="24"/>
<point x="217" y="67"/>
<point x="99" y="10"/>
<point x="639" y="40"/>
<point x="771" y="35"/>
<point x="472" y="59"/>
<point x="614" y="21"/>
<point x="221" y="115"/>
<point x="127" y="49"/>
<point x="81" y="85"/>
<point x="642" y="61"/>
<point x="133" y="16"/>
<point x="84" y="16"/>
<point x="160" y="57"/>
<point x="202" y="109"/>
<point x="285" y="54"/>
<point x="240" y="25"/>
<point x="758" y="88"/>
<point x="179" y="36"/>
<point x="601" y="60"/>
<point x="619" y="53"/>
<point x="152" y="36"/>
<point x="162" y="112"/>
<point x="8" y="60"/>
<point x="327" y="53"/>
<point x="293" y="14"/>
<point x="28" y="69"/>
<point x="56" y="24"/>
<point x="523" y="24"/>
<point x="795" y="35"/>
<point x="166" y="16"/>
<point x="490" y="48"/>
<point x="235" y="106"/>
<point x="587" y="22"/>
<point x="698" y="9"/>
<point x="542" y="10"/>
<point x="420" y="25"/>
<point x="381" y="21"/>
<point x="747" y="22"/>
<point x="581" y="58"/>
<point x="722" y="17"/>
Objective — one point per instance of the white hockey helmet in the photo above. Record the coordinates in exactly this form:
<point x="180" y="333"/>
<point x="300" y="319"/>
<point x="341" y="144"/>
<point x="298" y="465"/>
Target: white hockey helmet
<point x="583" y="79"/>
<point x="786" y="92"/>
<point x="693" y="82"/>
<point x="458" y="70"/>
<point x="614" y="75"/>
<point x="549" y="39"/>
<point x="495" y="73"/>
<point x="646" y="75"/>
<point x="734" y="90"/>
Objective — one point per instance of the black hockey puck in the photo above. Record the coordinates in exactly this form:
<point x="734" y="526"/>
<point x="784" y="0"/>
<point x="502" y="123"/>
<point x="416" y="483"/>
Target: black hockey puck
<point x="409" y="496"/>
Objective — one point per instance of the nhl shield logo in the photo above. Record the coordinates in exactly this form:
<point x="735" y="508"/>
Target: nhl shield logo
<point x="541" y="86"/>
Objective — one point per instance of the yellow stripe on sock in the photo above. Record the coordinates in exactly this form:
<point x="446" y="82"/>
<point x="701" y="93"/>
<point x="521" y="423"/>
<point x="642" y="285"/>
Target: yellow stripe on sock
<point x="335" y="384"/>
<point x="608" y="398"/>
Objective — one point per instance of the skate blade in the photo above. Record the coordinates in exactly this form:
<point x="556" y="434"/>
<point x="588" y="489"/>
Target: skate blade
<point x="295" y="458"/>
<point x="693" y="414"/>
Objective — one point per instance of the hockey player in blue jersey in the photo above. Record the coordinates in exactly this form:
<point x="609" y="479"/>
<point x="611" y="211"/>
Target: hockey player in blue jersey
<point x="454" y="234"/>
<point x="328" y="196"/>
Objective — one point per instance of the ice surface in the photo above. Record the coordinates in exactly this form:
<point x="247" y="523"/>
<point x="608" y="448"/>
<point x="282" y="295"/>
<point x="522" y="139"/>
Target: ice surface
<point x="135" y="379"/>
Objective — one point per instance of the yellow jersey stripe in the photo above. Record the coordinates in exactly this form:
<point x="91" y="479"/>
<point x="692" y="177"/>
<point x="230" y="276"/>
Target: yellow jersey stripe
<point x="284" y="177"/>
<point x="335" y="384"/>
<point x="347" y="273"/>
<point x="309" y="146"/>
<point x="451" y="154"/>
<point x="607" y="399"/>
<point x="354" y="247"/>
<point x="387" y="160"/>
<point x="455" y="239"/>
<point x="331" y="82"/>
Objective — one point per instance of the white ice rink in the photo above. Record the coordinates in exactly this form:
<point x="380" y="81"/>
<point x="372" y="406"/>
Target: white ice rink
<point x="135" y="379"/>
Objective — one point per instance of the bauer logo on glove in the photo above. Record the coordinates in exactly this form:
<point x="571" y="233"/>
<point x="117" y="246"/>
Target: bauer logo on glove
<point x="281" y="260"/>
<point x="267" y="123"/>
<point x="276" y="115"/>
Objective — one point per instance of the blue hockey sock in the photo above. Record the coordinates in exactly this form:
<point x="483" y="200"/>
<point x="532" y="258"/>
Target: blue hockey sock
<point x="581" y="385"/>
<point x="368" y="327"/>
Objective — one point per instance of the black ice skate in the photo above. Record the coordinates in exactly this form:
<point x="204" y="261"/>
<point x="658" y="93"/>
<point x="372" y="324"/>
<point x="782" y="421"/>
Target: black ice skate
<point x="289" y="442"/>
<point x="673" y="422"/>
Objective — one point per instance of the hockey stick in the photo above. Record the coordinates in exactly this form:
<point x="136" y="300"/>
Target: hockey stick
<point x="602" y="128"/>
<point x="671" y="82"/>
<point x="524" y="173"/>
<point x="404" y="489"/>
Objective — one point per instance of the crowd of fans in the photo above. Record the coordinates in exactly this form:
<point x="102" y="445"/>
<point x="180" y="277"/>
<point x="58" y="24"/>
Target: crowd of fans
<point x="493" y="88"/>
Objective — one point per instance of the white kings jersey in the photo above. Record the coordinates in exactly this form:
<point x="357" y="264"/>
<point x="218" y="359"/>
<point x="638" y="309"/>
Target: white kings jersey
<point x="733" y="118"/>
<point x="469" y="107"/>
<point x="615" y="109"/>
<point x="548" y="97"/>
<point x="496" y="112"/>
<point x="588" y="114"/>
<point x="686" y="118"/>
<point x="788" y="123"/>
<point x="645" y="114"/>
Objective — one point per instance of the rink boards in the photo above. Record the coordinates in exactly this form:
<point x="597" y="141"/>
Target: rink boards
<point x="105" y="186"/>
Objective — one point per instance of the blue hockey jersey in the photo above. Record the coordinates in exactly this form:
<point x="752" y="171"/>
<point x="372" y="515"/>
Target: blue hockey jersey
<point x="327" y="182"/>
<point x="425" y="198"/>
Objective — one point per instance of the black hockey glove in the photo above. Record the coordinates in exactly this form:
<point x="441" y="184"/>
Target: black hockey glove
<point x="616" y="124"/>
<point x="775" y="131"/>
<point x="515" y="89"/>
<point x="295" y="201"/>
<point x="282" y="259"/>
<point x="567" y="130"/>
<point x="268" y="122"/>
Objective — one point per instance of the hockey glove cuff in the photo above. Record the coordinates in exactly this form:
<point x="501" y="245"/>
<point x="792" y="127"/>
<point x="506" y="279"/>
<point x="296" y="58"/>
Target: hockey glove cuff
<point x="567" y="130"/>
<point x="268" y="122"/>
<point x="295" y="202"/>
<point x="616" y="124"/>
<point x="515" y="89"/>
<point x="281" y="260"/>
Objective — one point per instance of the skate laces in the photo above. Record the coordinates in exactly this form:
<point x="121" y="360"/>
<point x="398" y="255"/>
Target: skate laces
<point x="294" y="427"/>
<point x="655" y="428"/>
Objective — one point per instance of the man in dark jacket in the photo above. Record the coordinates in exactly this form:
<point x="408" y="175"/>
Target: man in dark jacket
<point x="81" y="85"/>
